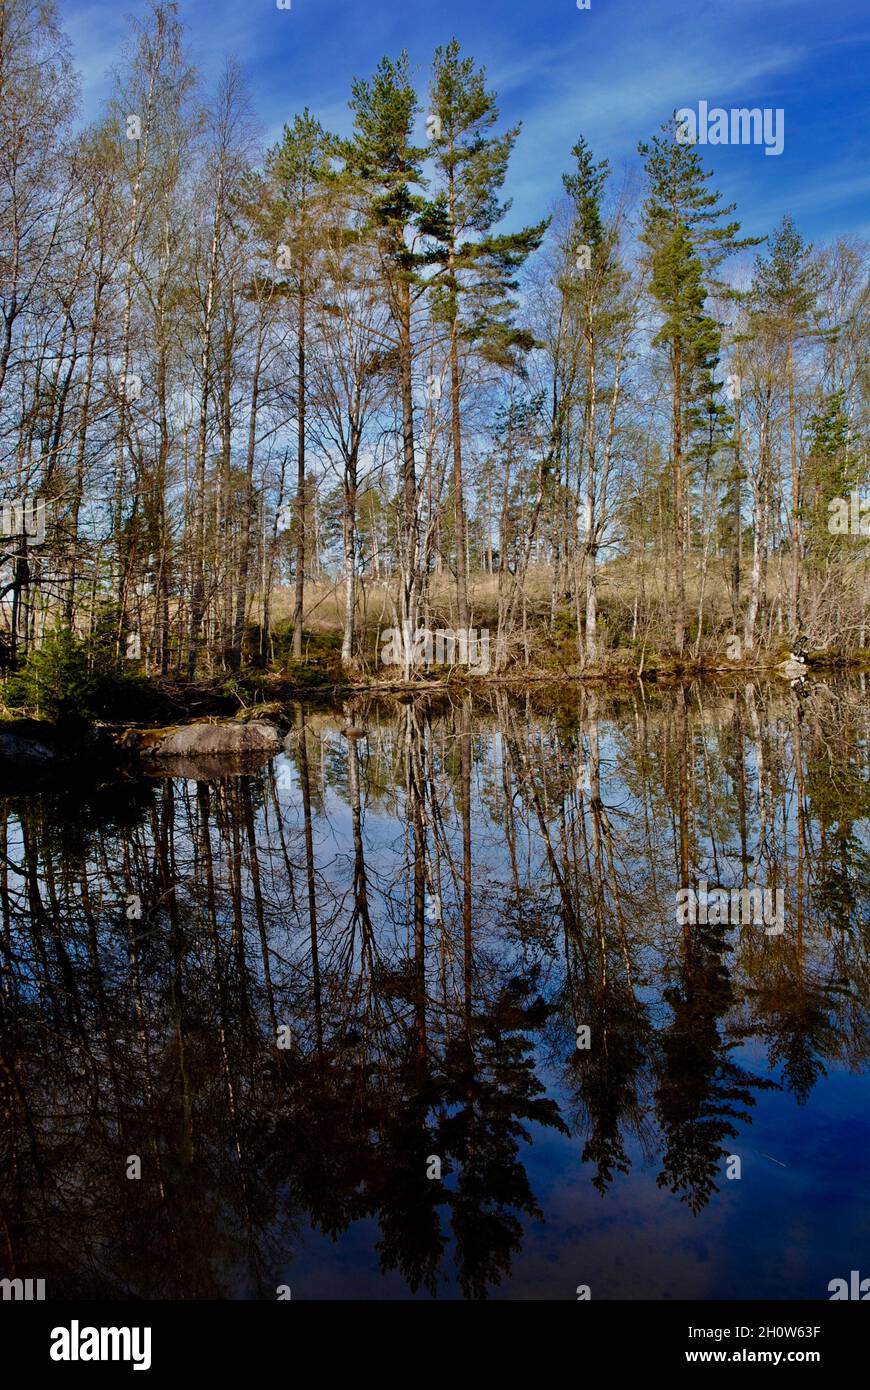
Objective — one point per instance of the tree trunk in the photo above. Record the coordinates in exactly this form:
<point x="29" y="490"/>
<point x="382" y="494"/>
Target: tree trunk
<point x="679" y="518"/>
<point x="299" y="603"/>
<point x="795" y="604"/>
<point x="409" y="587"/>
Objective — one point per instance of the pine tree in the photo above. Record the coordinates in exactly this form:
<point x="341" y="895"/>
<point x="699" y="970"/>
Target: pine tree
<point x="595" y="296"/>
<point x="383" y="156"/>
<point x="830" y="473"/>
<point x="687" y="238"/>
<point x="473" y="292"/>
<point x="297" y="170"/>
<point x="785" y="293"/>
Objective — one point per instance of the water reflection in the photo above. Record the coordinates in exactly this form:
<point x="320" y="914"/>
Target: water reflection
<point x="290" y="989"/>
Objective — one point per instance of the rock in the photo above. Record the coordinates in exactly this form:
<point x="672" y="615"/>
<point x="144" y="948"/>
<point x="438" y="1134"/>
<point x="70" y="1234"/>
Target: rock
<point x="29" y="755"/>
<point x="35" y="753"/>
<point x="215" y="740"/>
<point x="272" y="712"/>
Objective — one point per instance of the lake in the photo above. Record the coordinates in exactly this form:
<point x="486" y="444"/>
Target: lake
<point x="413" y="1009"/>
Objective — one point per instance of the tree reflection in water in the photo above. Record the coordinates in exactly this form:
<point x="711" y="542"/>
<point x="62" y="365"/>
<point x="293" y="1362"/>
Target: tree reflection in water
<point x="426" y="914"/>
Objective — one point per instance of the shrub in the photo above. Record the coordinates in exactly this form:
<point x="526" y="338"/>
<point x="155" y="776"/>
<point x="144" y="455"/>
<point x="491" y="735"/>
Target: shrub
<point x="565" y="625"/>
<point x="67" y="681"/>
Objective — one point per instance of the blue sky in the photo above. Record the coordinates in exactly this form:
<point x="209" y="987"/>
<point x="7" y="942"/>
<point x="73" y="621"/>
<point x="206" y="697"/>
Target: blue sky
<point x="613" y="72"/>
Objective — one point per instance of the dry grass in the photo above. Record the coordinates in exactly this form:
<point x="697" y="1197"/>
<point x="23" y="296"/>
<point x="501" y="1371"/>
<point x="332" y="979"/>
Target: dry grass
<point x="629" y="590"/>
<point x="618" y="583"/>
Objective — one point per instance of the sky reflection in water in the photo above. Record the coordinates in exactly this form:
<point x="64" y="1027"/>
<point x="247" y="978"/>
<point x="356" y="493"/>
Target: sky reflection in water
<point x="429" y="912"/>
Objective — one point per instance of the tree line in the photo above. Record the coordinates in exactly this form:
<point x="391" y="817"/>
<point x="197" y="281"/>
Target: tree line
<point x="330" y="383"/>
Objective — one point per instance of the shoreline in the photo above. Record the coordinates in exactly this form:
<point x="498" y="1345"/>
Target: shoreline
<point x="37" y="752"/>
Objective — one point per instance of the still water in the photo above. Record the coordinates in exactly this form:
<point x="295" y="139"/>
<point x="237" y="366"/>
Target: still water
<point x="443" y="938"/>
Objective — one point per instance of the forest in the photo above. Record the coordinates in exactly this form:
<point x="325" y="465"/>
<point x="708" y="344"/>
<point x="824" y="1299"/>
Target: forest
<point x="259" y="404"/>
<point x="434" y="665"/>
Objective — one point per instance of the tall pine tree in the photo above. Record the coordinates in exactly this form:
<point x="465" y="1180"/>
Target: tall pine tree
<point x="472" y="292"/>
<point x="785" y="294"/>
<point x="688" y="232"/>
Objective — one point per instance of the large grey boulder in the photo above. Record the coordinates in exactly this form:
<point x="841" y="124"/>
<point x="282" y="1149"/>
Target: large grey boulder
<point x="216" y="740"/>
<point x="209" y="752"/>
<point x="792" y="670"/>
